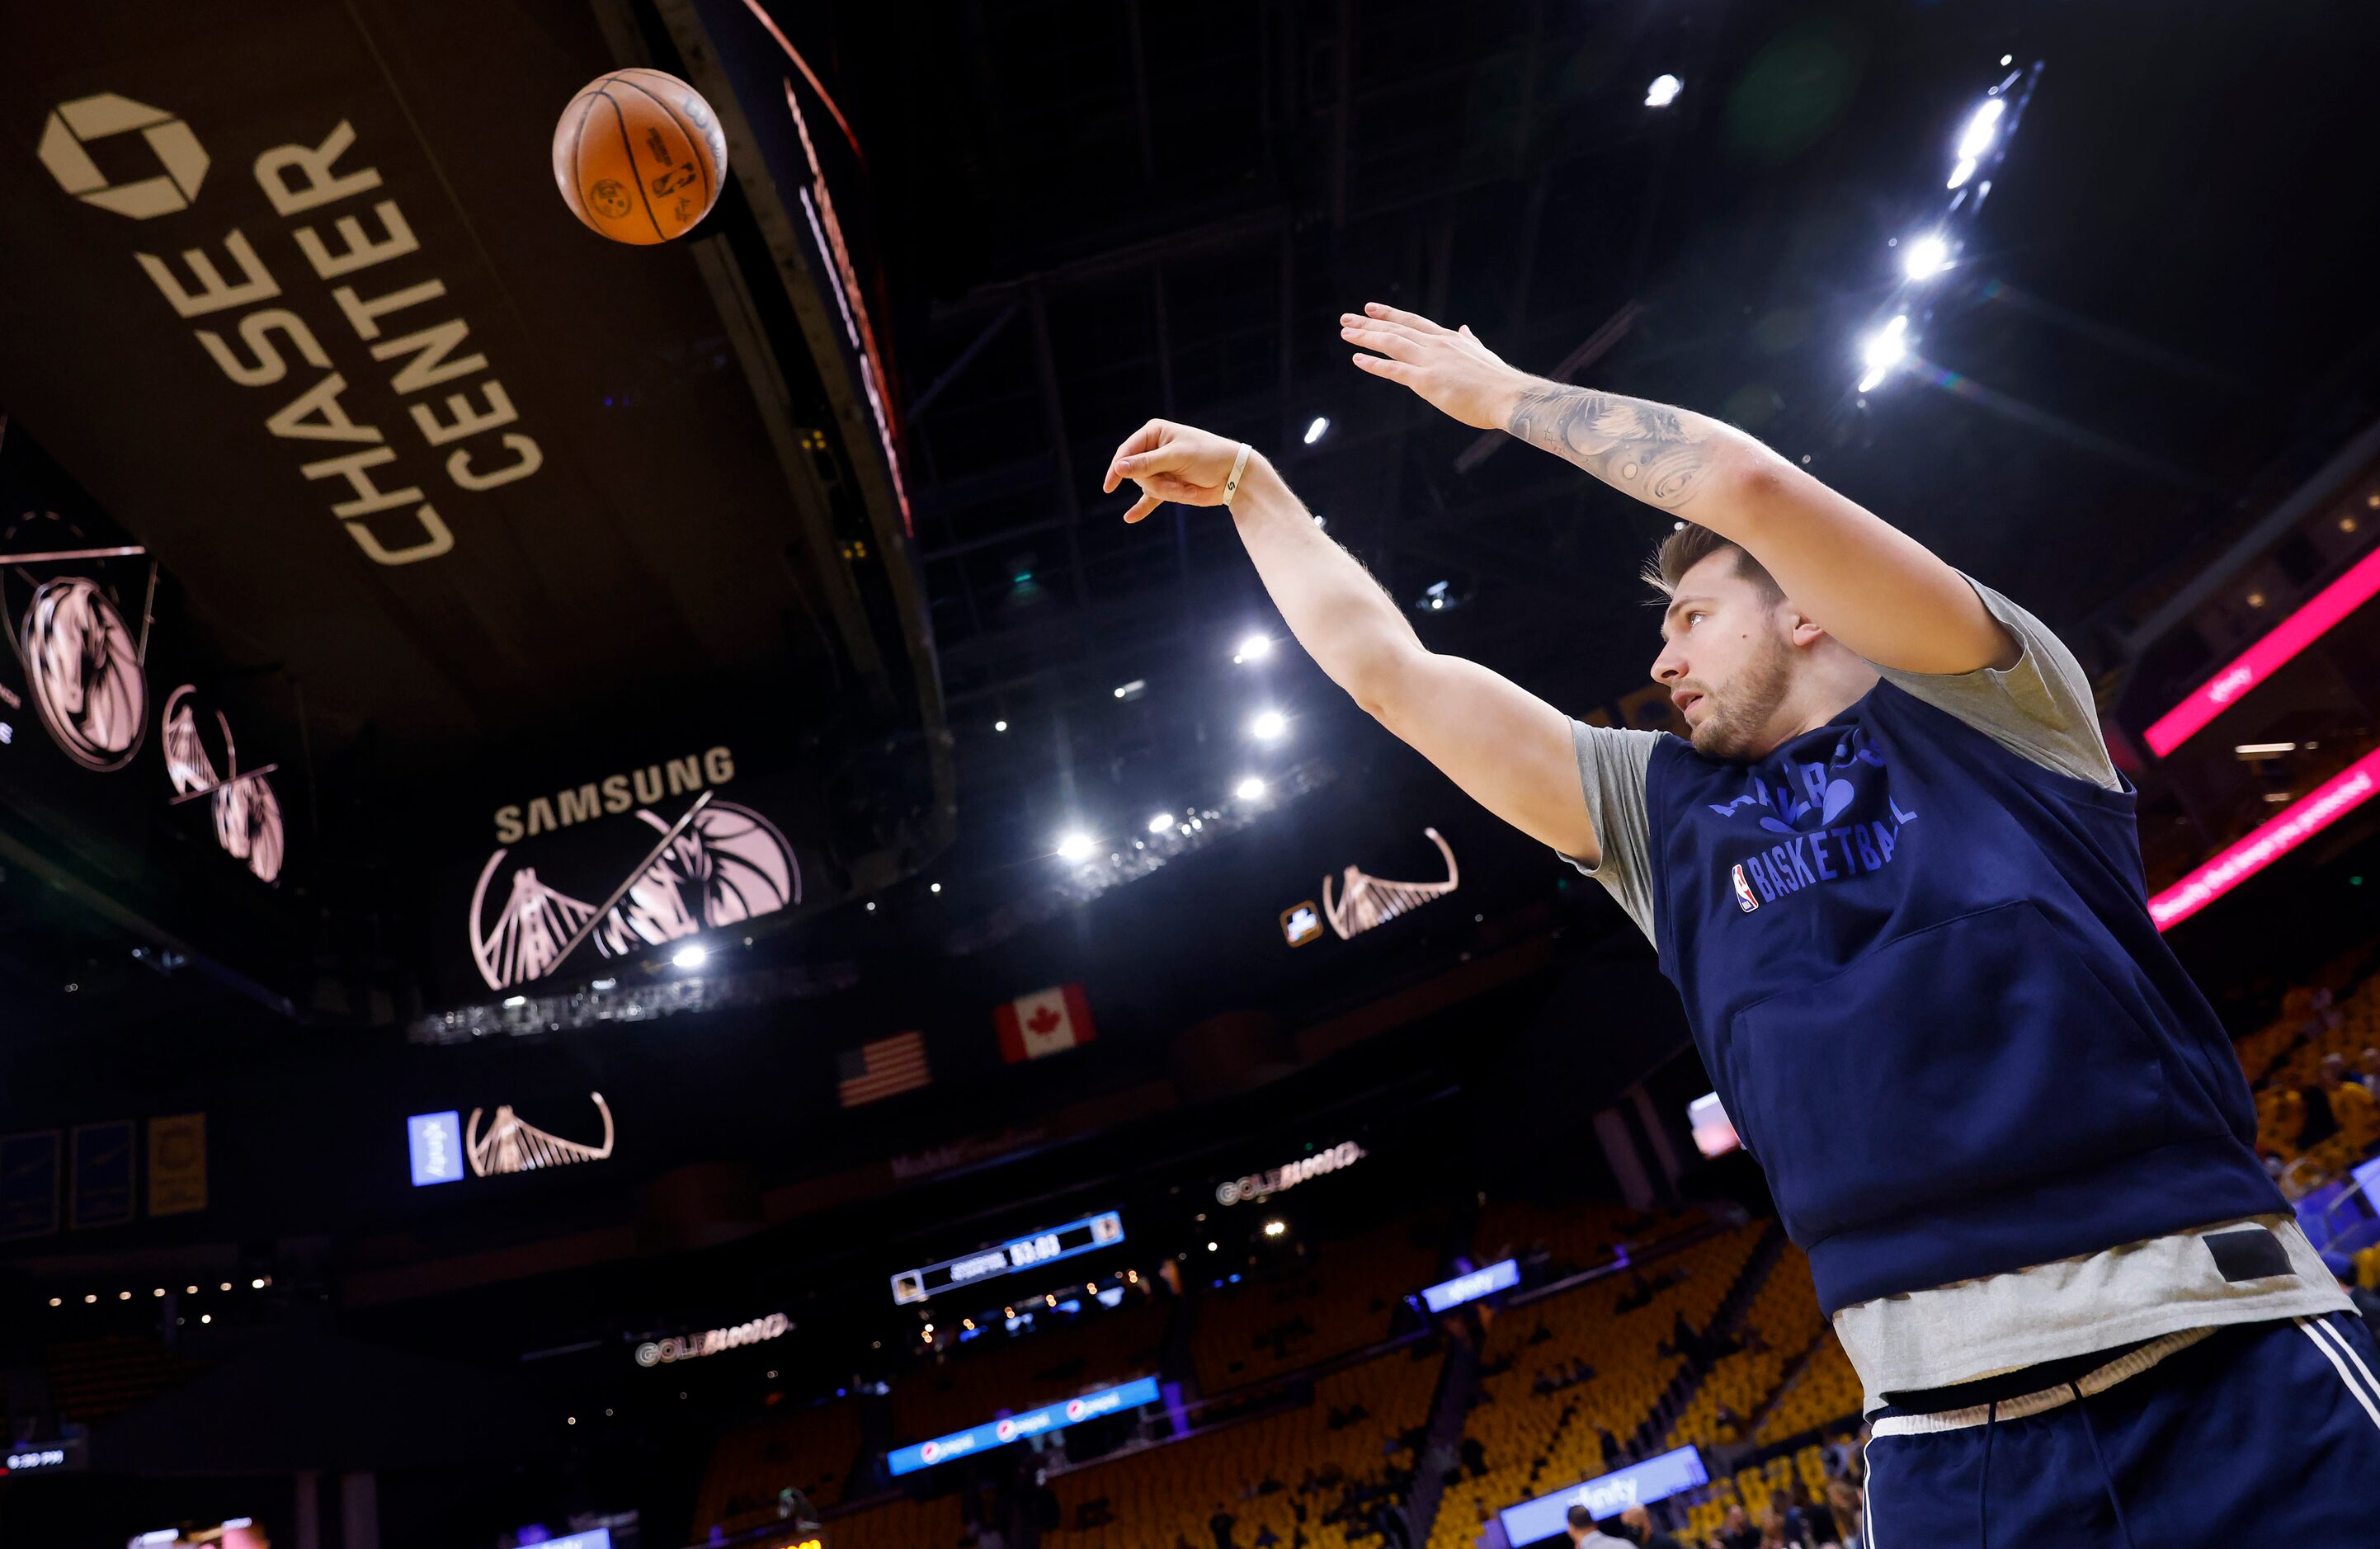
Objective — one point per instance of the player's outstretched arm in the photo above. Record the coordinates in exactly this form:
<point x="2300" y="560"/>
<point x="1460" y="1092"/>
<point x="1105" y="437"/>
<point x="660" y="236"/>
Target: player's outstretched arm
<point x="1510" y="750"/>
<point x="1869" y="584"/>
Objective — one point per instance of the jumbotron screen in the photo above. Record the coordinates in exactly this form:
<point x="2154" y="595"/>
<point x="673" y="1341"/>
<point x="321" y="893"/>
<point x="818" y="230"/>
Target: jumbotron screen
<point x="1086" y="1235"/>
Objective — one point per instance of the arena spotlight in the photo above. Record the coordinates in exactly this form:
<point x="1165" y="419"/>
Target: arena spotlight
<point x="1884" y="350"/>
<point x="1664" y="90"/>
<point x="511" y="1000"/>
<point x="1073" y="845"/>
<point x="1256" y="648"/>
<point x="1275" y="1227"/>
<point x="999" y="726"/>
<point x="1268" y="726"/>
<point x="1976" y="137"/>
<point x="1249" y="790"/>
<point x="1926" y="257"/>
<point x="1959" y="174"/>
<point x="1160" y="822"/>
<point x="1315" y="431"/>
<point x="690" y="956"/>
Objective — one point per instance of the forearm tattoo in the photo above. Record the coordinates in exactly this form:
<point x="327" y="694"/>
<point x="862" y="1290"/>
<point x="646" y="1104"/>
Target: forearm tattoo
<point x="1655" y="452"/>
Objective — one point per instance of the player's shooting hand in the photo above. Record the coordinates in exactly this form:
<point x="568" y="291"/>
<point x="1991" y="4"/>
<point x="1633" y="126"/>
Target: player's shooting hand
<point x="1172" y="462"/>
<point x="1449" y="368"/>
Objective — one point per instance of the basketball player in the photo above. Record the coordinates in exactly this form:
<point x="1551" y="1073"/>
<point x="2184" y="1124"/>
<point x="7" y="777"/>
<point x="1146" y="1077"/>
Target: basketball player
<point x="1897" y="883"/>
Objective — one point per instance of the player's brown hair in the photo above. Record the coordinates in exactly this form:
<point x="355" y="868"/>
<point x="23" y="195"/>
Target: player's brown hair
<point x="1689" y="546"/>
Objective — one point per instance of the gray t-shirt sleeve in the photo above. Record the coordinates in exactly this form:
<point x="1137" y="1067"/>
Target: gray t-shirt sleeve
<point x="2039" y="709"/>
<point x="1612" y="762"/>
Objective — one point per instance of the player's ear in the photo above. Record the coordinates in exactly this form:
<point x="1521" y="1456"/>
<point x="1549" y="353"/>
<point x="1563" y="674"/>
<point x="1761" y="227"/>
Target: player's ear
<point x="1800" y="628"/>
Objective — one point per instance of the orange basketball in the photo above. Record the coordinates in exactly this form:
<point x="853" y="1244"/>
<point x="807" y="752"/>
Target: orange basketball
<point x="638" y="156"/>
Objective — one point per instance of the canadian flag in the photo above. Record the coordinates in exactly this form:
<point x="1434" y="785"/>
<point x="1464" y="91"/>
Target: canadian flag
<point x="1043" y="1023"/>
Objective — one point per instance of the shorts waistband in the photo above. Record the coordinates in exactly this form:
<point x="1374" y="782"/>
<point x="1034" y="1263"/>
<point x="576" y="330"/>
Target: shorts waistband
<point x="2098" y="1380"/>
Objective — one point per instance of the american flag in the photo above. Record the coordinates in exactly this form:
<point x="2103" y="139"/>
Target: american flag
<point x="881" y="1069"/>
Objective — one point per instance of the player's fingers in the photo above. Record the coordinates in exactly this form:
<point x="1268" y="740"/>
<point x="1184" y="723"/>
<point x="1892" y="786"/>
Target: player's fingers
<point x="1395" y="371"/>
<point x="1396" y="344"/>
<point x="1411" y="320"/>
<point x="1142" y="507"/>
<point x="1143" y="440"/>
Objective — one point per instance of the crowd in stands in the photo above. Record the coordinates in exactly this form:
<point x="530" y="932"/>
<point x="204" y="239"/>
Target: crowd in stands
<point x="1717" y="1342"/>
<point x="1292" y="1480"/>
<point x="966" y="1383"/>
<point x="1522" y="1439"/>
<point x="1327" y="1304"/>
<point x="810" y="1448"/>
<point x="1780" y="1328"/>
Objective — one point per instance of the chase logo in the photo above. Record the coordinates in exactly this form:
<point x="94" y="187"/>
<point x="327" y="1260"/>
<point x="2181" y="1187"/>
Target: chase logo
<point x="181" y="160"/>
<point x="1746" y="899"/>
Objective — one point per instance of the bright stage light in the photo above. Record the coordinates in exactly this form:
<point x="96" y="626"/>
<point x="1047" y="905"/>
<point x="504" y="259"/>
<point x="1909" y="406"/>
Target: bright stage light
<point x="1275" y="1227"/>
<point x="1315" y="431"/>
<point x="1925" y="257"/>
<point x="1884" y="349"/>
<point x="1663" y="91"/>
<point x="1249" y="790"/>
<point x="1256" y="648"/>
<point x="1976" y="137"/>
<point x="999" y="726"/>
<point x="1160" y="822"/>
<point x="1075" y="845"/>
<point x="689" y="957"/>
<point x="1959" y="174"/>
<point x="516" y="1000"/>
<point x="1268" y="726"/>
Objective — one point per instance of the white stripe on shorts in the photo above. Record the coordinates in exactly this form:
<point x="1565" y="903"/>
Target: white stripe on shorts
<point x="2316" y="1332"/>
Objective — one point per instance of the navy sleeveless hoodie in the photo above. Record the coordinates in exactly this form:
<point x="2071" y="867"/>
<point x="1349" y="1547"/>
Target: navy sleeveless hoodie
<point x="1922" y="971"/>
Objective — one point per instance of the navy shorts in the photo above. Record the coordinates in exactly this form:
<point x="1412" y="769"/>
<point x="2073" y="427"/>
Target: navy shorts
<point x="2260" y="1435"/>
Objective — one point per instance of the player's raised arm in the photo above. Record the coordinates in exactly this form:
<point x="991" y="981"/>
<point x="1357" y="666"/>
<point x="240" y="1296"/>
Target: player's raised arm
<point x="1869" y="585"/>
<point x="1510" y="750"/>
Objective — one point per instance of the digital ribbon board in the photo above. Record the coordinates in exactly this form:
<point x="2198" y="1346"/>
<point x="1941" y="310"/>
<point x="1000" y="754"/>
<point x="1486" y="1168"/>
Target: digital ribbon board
<point x="1472" y="1287"/>
<point x="1607" y="1495"/>
<point x="1016" y="1427"/>
<point x="1085" y="1236"/>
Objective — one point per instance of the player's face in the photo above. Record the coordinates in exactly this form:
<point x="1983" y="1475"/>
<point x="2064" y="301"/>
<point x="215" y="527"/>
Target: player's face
<point x="1726" y="658"/>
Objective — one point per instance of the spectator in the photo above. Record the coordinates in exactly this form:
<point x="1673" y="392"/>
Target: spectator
<point x="2351" y="1103"/>
<point x="1475" y="1456"/>
<point x="1850" y="1514"/>
<point x="1790" y="1525"/>
<point x="1639" y="1523"/>
<point x="2367" y="1303"/>
<point x="1817" y="1522"/>
<point x="1220" y="1525"/>
<point x="1610" y="1446"/>
<point x="1739" y="1533"/>
<point x="2370" y="1074"/>
<point x="2320" y="1122"/>
<point x="1586" y="1534"/>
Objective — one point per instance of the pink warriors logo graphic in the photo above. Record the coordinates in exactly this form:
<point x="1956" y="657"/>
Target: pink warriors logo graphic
<point x="718" y="865"/>
<point x="1365" y="902"/>
<point x="247" y="813"/>
<point x="511" y="1145"/>
<point x="84" y="671"/>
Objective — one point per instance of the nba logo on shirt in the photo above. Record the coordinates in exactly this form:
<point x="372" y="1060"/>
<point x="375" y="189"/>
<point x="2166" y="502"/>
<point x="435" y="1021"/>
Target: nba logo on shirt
<point x="1746" y="899"/>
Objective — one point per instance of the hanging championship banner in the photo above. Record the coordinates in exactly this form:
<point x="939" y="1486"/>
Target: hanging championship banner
<point x="29" y="1184"/>
<point x="178" y="1164"/>
<point x="102" y="1175"/>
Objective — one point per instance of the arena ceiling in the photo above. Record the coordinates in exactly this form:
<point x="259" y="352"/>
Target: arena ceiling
<point x="1067" y="216"/>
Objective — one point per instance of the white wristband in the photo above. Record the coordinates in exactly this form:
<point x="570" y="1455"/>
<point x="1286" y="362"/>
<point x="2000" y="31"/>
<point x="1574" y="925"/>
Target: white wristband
<point x="1239" y="467"/>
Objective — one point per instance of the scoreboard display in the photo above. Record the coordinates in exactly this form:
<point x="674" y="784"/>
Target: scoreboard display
<point x="1084" y="1236"/>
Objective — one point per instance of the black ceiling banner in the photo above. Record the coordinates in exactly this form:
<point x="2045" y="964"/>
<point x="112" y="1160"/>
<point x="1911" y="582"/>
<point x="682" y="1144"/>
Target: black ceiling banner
<point x="289" y="288"/>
